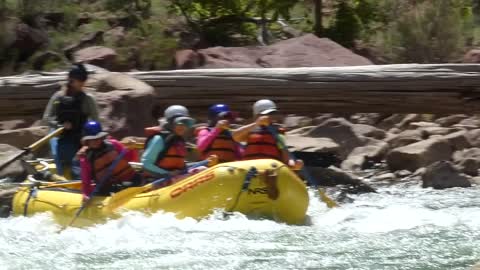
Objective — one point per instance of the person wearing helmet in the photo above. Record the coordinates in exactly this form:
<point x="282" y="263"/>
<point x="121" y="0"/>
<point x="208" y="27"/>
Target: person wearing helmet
<point x="104" y="162"/>
<point x="264" y="138"/>
<point x="71" y="108"/>
<point x="165" y="152"/>
<point x="216" y="138"/>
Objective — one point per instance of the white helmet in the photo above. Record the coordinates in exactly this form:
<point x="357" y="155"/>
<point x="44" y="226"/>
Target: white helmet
<point x="177" y="114"/>
<point x="175" y="111"/>
<point x="264" y="106"/>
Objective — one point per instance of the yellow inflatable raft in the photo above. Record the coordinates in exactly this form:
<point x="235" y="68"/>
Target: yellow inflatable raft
<point x="273" y="192"/>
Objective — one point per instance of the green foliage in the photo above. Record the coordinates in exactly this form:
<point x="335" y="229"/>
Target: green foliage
<point x="346" y="26"/>
<point x="218" y="20"/>
<point x="130" y="6"/>
<point x="432" y="32"/>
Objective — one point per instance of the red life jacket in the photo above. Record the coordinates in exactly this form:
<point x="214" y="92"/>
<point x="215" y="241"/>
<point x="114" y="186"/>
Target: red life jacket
<point x="262" y="144"/>
<point x="223" y="146"/>
<point x="173" y="155"/>
<point x="101" y="161"/>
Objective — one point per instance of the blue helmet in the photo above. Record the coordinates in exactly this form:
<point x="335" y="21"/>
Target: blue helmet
<point x="217" y="110"/>
<point x="93" y="130"/>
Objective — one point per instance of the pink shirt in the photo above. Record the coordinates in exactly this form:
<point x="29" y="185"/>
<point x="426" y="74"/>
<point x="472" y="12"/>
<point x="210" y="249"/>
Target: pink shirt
<point x="206" y="137"/>
<point x="88" y="184"/>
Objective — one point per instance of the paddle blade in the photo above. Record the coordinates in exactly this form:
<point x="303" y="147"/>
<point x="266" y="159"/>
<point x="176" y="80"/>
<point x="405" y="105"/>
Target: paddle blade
<point x="120" y="198"/>
<point x="327" y="200"/>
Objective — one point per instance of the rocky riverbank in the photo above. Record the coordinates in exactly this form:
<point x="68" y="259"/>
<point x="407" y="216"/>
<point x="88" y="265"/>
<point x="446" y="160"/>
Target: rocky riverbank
<point x="434" y="151"/>
<point x="429" y="150"/>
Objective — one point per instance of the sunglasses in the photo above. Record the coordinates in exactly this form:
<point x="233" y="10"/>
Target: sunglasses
<point x="185" y="122"/>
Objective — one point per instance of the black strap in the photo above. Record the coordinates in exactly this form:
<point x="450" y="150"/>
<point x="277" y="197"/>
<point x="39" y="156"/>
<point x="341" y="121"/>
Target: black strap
<point x="109" y="172"/>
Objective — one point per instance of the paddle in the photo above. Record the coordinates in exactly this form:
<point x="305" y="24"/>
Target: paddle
<point x="100" y="184"/>
<point x="69" y="184"/>
<point x="323" y="196"/>
<point x="31" y="148"/>
<point x="120" y="198"/>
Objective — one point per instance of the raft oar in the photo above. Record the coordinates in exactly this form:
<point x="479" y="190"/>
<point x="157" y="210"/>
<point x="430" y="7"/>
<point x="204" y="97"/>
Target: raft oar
<point x="32" y="147"/>
<point x="120" y="198"/>
<point x="323" y="196"/>
<point x="69" y="184"/>
<point x="97" y="188"/>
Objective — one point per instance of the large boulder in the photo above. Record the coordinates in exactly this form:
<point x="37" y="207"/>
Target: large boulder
<point x="450" y="120"/>
<point x="15" y="124"/>
<point x="125" y="103"/>
<point x="15" y="170"/>
<point x="432" y="130"/>
<point x="187" y="59"/>
<point x="422" y="124"/>
<point x="469" y="166"/>
<point x="390" y="122"/>
<point x="458" y="140"/>
<point x="472" y="56"/>
<point x="443" y="174"/>
<point x="304" y="51"/>
<point x="115" y="35"/>
<point x="473" y="137"/>
<point x="97" y="55"/>
<point x="473" y="153"/>
<point x="407" y="119"/>
<point x="369" y="131"/>
<point x="28" y="40"/>
<point x="23" y="137"/>
<point x="293" y="121"/>
<point x="306" y="144"/>
<point x="333" y="176"/>
<point x="44" y="58"/>
<point x="310" y="51"/>
<point x="468" y="161"/>
<point x="469" y="123"/>
<point x="371" y="119"/>
<point x="364" y="157"/>
<point x="340" y="131"/>
<point x="88" y="40"/>
<point x="406" y="137"/>
<point x="420" y="154"/>
<point x="322" y="118"/>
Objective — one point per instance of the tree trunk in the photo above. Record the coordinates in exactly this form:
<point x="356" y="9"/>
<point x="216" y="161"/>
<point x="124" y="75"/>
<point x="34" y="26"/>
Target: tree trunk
<point x="442" y="89"/>
<point x="318" y="27"/>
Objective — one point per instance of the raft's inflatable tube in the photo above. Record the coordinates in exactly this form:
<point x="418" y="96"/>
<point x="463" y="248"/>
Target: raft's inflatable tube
<point x="274" y="192"/>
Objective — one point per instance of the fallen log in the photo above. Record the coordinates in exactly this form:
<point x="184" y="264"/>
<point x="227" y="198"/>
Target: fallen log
<point x="406" y="88"/>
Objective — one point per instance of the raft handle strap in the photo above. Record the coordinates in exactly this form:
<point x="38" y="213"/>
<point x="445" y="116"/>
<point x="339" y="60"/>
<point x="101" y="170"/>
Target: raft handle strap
<point x="31" y="193"/>
<point x="248" y="178"/>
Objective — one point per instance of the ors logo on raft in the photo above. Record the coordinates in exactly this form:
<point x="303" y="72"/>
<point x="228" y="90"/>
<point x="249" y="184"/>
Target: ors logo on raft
<point x="192" y="184"/>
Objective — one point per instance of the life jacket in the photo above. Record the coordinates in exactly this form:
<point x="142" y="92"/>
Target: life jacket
<point x="101" y="160"/>
<point x="151" y="132"/>
<point x="69" y="109"/>
<point x="173" y="155"/>
<point x="223" y="146"/>
<point x="262" y="144"/>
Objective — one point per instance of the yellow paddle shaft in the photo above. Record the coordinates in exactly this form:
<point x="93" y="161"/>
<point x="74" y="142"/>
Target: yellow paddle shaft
<point x="34" y="146"/>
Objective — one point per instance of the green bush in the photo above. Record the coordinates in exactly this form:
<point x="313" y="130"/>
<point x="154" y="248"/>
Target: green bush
<point x="346" y="26"/>
<point x="430" y="32"/>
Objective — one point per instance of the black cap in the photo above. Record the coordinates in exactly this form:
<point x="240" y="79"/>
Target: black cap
<point x="78" y="72"/>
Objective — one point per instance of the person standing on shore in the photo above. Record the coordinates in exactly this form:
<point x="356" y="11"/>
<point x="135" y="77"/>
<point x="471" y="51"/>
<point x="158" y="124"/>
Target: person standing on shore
<point x="71" y="108"/>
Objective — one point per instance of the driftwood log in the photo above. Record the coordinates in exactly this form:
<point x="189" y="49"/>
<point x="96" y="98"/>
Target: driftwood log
<point x="409" y="88"/>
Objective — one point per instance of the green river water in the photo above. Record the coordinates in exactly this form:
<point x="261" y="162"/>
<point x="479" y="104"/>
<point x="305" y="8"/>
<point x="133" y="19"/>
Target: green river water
<point x="397" y="228"/>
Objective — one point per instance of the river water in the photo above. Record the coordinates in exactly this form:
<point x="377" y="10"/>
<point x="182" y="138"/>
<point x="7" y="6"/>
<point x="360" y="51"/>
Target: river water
<point x="397" y="228"/>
